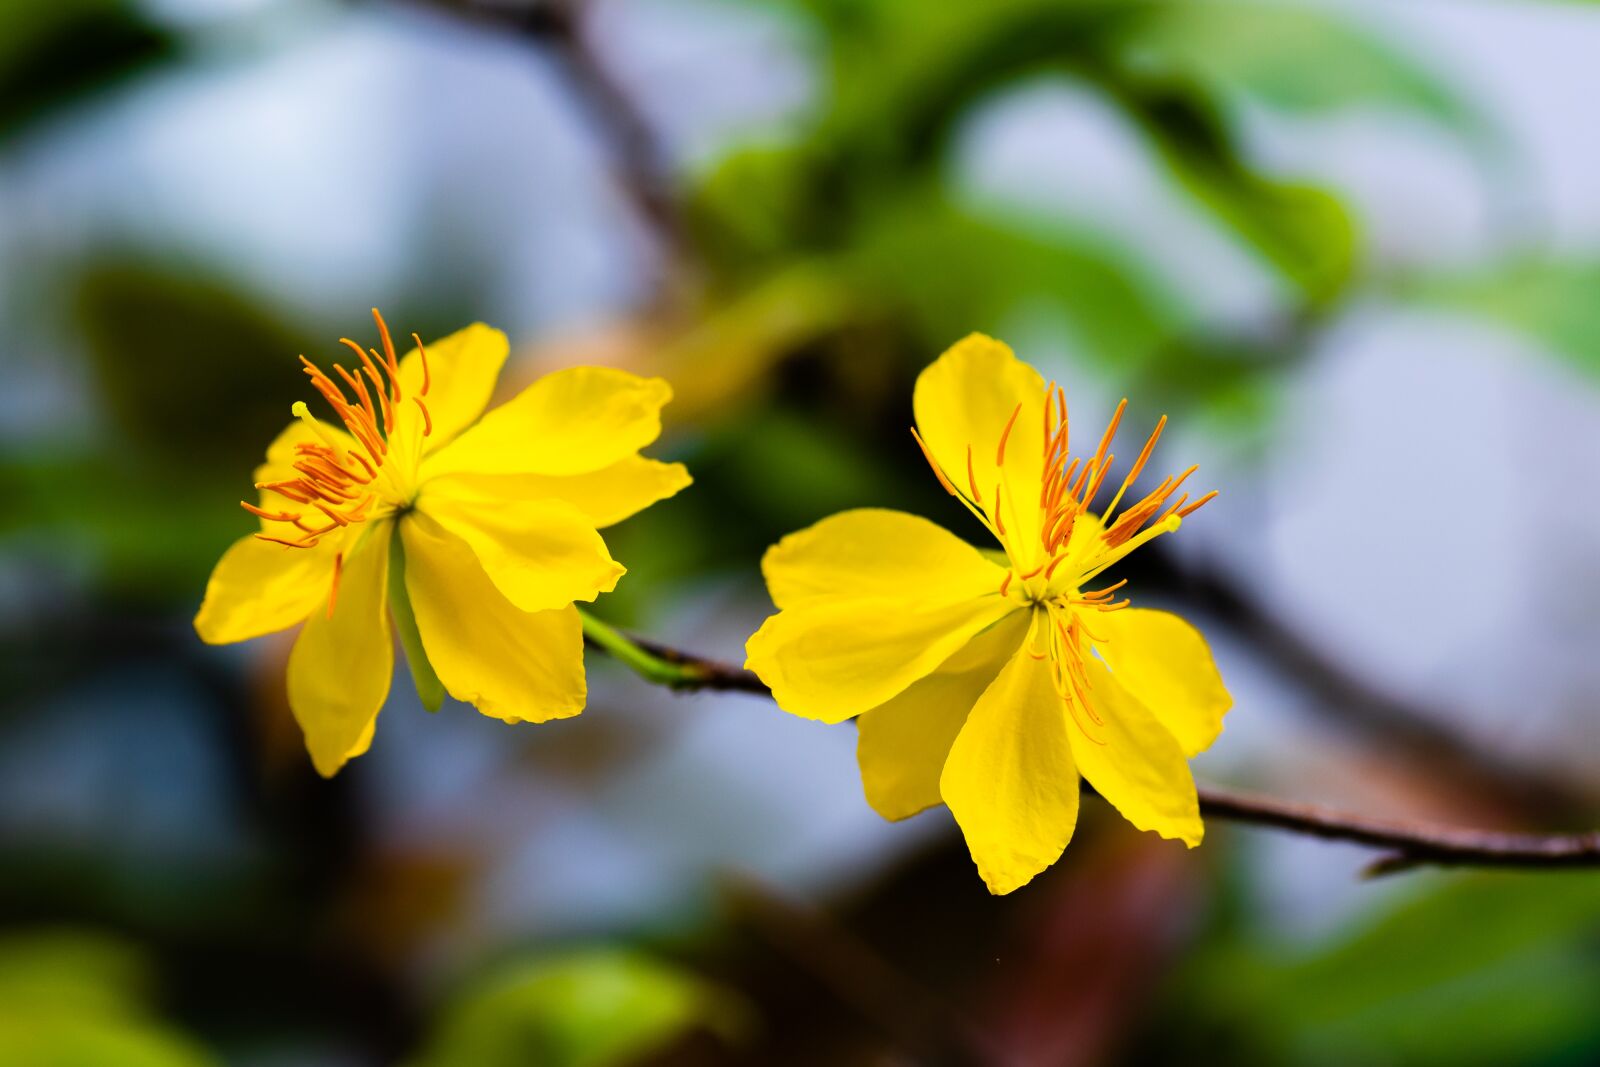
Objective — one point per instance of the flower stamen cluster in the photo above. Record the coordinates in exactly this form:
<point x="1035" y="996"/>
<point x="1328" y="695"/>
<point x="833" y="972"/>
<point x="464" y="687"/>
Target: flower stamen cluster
<point x="1068" y="487"/>
<point x="336" y="482"/>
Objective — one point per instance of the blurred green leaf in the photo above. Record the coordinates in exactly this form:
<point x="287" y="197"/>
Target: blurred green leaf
<point x="71" y="970"/>
<point x="194" y="377"/>
<point x="597" y="1008"/>
<point x="1551" y="300"/>
<point x="135" y="526"/>
<point x="904" y="76"/>
<point x="793" y="470"/>
<point x="956" y="271"/>
<point x="1302" y="230"/>
<point x="1289" y="56"/>
<point x="53" y="51"/>
<point x="1483" y="969"/>
<point x="73" y="999"/>
<point x="189" y="366"/>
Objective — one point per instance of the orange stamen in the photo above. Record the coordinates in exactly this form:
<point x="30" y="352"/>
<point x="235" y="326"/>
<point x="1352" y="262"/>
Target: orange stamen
<point x="1173" y="510"/>
<point x="337" y="518"/>
<point x="1050" y="571"/>
<point x="1046" y="412"/>
<point x="1111" y="430"/>
<point x="378" y="384"/>
<point x="1083" y="476"/>
<point x="1000" y="453"/>
<point x="427" y="375"/>
<point x="285" y="489"/>
<point x="359" y="387"/>
<point x="388" y="352"/>
<point x="303" y="543"/>
<point x="1099" y="480"/>
<point x="1063" y="534"/>
<point x="338" y="572"/>
<point x="383" y="399"/>
<point x="1137" y="468"/>
<point x="270" y="516"/>
<point x="1101" y="594"/>
<point x="937" y="470"/>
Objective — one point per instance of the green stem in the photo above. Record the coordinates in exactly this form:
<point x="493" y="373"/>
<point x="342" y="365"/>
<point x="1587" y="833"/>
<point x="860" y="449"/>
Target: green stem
<point x="430" y="690"/>
<point x="649" y="666"/>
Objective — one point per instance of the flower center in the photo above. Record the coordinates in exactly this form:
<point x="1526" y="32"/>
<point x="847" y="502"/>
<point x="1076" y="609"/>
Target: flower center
<point x="339" y="481"/>
<point x="1074" y="545"/>
<point x="1067" y="489"/>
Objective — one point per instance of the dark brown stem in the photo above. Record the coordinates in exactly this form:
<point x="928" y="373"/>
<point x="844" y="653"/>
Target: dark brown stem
<point x="1407" y="729"/>
<point x="704" y="673"/>
<point x="1406" y="844"/>
<point x="641" y="161"/>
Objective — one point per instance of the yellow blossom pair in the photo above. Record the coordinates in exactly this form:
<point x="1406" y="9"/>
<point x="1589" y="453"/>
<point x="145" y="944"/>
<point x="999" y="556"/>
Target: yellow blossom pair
<point x="987" y="680"/>
<point x="475" y="534"/>
<point x="991" y="681"/>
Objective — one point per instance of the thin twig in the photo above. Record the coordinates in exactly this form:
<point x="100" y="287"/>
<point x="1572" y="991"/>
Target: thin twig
<point x="641" y="161"/>
<point x="1404" y="726"/>
<point x="1407" y="844"/>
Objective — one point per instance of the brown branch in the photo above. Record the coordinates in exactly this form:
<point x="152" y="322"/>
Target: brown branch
<point x="702" y="673"/>
<point x="641" y="161"/>
<point x="1406" y="844"/>
<point x="1405" y="727"/>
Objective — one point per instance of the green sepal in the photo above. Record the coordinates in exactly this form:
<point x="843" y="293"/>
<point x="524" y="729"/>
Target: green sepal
<point x="429" y="688"/>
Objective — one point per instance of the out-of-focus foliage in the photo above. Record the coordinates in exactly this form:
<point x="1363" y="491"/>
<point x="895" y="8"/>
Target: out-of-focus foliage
<point x="53" y="51"/>
<point x="72" y="999"/>
<point x="600" y="1008"/>
<point x="1479" y="969"/>
<point x="1552" y="300"/>
<point x="860" y="193"/>
<point x="1294" y="58"/>
<point x="193" y="378"/>
<point x="210" y="392"/>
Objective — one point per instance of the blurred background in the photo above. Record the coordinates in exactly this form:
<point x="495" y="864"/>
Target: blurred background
<point x="1352" y="249"/>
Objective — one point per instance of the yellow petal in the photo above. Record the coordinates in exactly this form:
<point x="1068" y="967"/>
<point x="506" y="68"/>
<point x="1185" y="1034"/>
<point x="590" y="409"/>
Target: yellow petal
<point x="903" y="743"/>
<point x="510" y="664"/>
<point x="830" y="660"/>
<point x="260" y="588"/>
<point x="871" y="552"/>
<point x="1134" y="762"/>
<point x="1010" y="779"/>
<point x="605" y="496"/>
<point x="965" y="399"/>
<point x="1165" y="664"/>
<point x="463" y="369"/>
<point x="340" y="669"/>
<point x="573" y="421"/>
<point x="541" y="554"/>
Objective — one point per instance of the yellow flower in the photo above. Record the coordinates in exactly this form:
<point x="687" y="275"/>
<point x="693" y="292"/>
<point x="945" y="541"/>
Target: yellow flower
<point x="991" y="681"/>
<point x="475" y="534"/>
